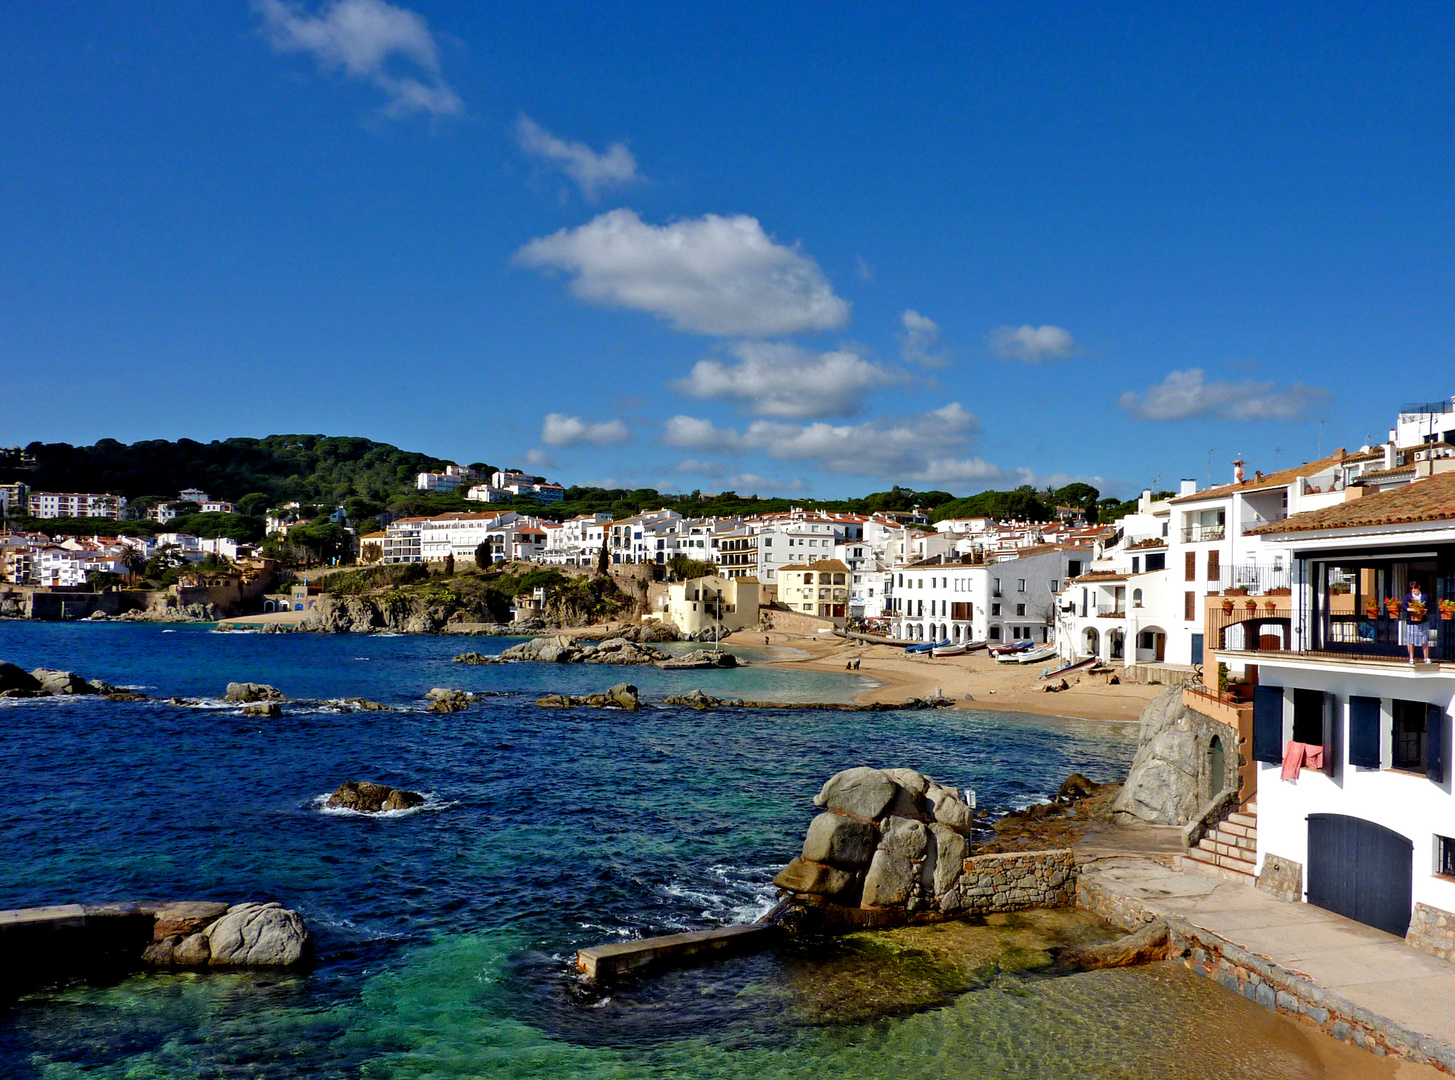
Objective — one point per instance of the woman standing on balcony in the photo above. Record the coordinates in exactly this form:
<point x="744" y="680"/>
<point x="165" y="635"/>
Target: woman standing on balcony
<point x="1417" y="621"/>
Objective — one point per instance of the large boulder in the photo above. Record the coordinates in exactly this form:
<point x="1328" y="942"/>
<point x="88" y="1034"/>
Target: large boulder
<point x="905" y="837"/>
<point x="267" y="709"/>
<point x="1164" y="785"/>
<point x="950" y="853"/>
<point x="862" y="793"/>
<point x="61" y="683"/>
<point x="476" y="658"/>
<point x="14" y="678"/>
<point x="951" y="811"/>
<point x="370" y="798"/>
<point x="624" y="696"/>
<point x="244" y="693"/>
<point x="816" y="879"/>
<point x="443" y="700"/>
<point x="840" y="841"/>
<point x="890" y="881"/>
<point x="258" y="935"/>
<point x="183" y="917"/>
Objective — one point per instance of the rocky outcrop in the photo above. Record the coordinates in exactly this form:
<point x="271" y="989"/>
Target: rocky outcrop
<point x="889" y="841"/>
<point x="14" y="678"/>
<point x="1149" y="943"/>
<point x="1168" y="781"/>
<point x="696" y="699"/>
<point x="699" y="659"/>
<point x="645" y="633"/>
<point x="245" y="693"/>
<point x="564" y="650"/>
<point x="62" y="683"/>
<point x="388" y="611"/>
<point x="370" y="798"/>
<point x="257" y="935"/>
<point x="269" y="709"/>
<point x="362" y="704"/>
<point x="443" y="700"/>
<point x="475" y="658"/>
<point x="48" y="682"/>
<point x="620" y="696"/>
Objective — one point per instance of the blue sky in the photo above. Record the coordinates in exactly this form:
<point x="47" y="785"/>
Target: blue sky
<point x="817" y="249"/>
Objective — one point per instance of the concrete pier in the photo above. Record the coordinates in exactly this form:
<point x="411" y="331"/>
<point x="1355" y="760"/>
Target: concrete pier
<point x="606" y="964"/>
<point x="47" y="945"/>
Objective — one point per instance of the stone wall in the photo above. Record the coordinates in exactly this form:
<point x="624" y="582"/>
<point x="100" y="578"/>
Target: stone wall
<point x="1013" y="881"/>
<point x="1282" y="877"/>
<point x="1266" y="983"/>
<point x="1432" y="931"/>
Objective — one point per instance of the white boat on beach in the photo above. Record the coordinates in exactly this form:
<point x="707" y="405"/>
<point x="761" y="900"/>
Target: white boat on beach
<point x="1035" y="656"/>
<point x="949" y="650"/>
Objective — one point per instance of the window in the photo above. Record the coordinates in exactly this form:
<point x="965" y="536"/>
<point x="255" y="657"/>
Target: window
<point x="1212" y="566"/>
<point x="1137" y="599"/>
<point x="995" y="633"/>
<point x="1020" y="609"/>
<point x="995" y="584"/>
<point x="1189" y="605"/>
<point x="1073" y="567"/>
<point x="1157" y="562"/>
<point x="1055" y="586"/>
<point x="1020" y="584"/>
<point x="1444" y="856"/>
<point x="1308" y="717"/>
<point x="1136" y="564"/>
<point x="1409" y="735"/>
<point x="1189" y="568"/>
<point x="995" y="609"/>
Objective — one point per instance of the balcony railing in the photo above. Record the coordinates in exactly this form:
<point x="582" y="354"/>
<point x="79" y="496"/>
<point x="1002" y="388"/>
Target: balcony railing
<point x="1255" y="579"/>
<point x="1341" y="635"/>
<point x="1196" y="534"/>
<point x="1111" y="611"/>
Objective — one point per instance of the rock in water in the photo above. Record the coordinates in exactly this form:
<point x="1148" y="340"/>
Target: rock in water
<point x="624" y="696"/>
<point x="242" y="693"/>
<point x="1143" y="946"/>
<point x="61" y="683"/>
<point x="183" y="917"/>
<point x="14" y="678"/>
<point x="269" y="709"/>
<point x="1077" y="786"/>
<point x="258" y="935"/>
<point x="816" y="879"/>
<point x="371" y="798"/>
<point x="447" y="701"/>
<point x="475" y="658"/>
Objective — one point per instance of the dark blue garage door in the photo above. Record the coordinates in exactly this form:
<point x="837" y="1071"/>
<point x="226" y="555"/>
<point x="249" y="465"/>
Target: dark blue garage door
<point x="1361" y="870"/>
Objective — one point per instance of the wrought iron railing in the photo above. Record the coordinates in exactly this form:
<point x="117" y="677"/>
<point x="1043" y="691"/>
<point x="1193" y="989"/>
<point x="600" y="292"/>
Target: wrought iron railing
<point x="1255" y="579"/>
<point x="1196" y="534"/>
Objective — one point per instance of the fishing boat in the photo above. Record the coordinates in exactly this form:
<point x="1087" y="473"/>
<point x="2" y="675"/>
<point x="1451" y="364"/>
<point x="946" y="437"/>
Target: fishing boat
<point x="1035" y="656"/>
<point x="1006" y="650"/>
<point x="925" y="646"/>
<point x="1078" y="665"/>
<point x="949" y="650"/>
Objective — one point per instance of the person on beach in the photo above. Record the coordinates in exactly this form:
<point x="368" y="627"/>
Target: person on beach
<point x="1417" y="621"/>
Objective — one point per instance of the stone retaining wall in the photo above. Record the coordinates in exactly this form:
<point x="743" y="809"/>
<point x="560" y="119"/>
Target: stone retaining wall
<point x="1014" y="881"/>
<point x="1259" y="979"/>
<point x="1432" y="931"/>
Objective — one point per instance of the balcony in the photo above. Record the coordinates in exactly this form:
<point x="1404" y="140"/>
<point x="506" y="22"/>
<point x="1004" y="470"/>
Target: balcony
<point x="1111" y="611"/>
<point x="1254" y="579"/>
<point x="1266" y="628"/>
<point x="1197" y="534"/>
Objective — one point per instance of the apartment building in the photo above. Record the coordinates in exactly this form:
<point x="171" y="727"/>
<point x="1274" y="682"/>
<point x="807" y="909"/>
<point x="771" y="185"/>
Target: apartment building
<point x="56" y="504"/>
<point x="820" y="588"/>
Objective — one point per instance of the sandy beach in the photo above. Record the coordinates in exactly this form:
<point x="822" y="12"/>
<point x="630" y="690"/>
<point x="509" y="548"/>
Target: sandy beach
<point x="975" y="681"/>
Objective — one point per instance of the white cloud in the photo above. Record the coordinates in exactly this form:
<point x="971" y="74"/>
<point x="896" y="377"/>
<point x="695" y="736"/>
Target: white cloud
<point x="778" y="379"/>
<point x="866" y="271"/>
<point x="540" y="459"/>
<point x="1032" y="343"/>
<point x="1185" y="394"/>
<point x="709" y="275"/>
<point x="591" y="171"/>
<point x="368" y="40"/>
<point x="558" y="429"/>
<point x="912" y="450"/>
<point x="920" y="342"/>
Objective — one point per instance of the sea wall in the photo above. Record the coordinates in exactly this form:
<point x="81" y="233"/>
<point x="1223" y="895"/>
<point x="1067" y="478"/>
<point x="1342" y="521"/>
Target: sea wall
<point x="1015" y="881"/>
<point x="1432" y="931"/>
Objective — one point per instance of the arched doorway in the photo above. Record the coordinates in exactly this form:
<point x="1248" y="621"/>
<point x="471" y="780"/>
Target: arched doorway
<point x="1217" y="767"/>
<point x="1116" y="642"/>
<point x="1092" y="642"/>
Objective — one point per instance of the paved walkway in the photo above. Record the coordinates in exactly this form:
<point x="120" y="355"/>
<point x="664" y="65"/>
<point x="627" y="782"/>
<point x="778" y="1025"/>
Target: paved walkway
<point x="1371" y="969"/>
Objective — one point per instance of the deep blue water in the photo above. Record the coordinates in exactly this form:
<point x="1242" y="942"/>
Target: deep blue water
<point x="444" y="935"/>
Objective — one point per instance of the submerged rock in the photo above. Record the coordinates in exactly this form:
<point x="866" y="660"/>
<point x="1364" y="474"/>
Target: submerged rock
<point x="370" y="798"/>
<point x="699" y="659"/>
<point x="620" y="696"/>
<point x="242" y="693"/>
<point x="475" y="658"/>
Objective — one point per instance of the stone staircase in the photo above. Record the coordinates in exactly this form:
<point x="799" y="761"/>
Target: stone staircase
<point x="1230" y="850"/>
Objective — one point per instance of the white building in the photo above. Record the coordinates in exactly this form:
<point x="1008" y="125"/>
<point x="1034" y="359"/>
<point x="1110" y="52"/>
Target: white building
<point x="56" y="504"/>
<point x="450" y="480"/>
<point x="1007" y="601"/>
<point x="576" y="541"/>
<point x="1370" y="833"/>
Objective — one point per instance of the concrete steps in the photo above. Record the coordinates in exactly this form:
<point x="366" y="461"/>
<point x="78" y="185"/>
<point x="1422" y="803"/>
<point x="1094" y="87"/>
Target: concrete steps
<point x="1230" y="850"/>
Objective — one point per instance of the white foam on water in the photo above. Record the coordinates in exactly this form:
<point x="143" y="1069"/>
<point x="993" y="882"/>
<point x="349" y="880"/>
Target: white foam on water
<point x="431" y="804"/>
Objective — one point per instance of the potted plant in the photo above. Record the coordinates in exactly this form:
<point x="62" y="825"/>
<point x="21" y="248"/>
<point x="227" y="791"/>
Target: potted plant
<point x="1251" y="605"/>
<point x="1371" y="609"/>
<point x="1417" y="611"/>
<point x="1270" y="606"/>
<point x="1392" y="606"/>
<point x="1447" y="610"/>
<point x="1227" y="606"/>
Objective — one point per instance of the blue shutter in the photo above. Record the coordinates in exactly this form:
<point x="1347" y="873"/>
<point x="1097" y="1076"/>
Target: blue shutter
<point x="1435" y="743"/>
<point x="1364" y="732"/>
<point x="1268" y="724"/>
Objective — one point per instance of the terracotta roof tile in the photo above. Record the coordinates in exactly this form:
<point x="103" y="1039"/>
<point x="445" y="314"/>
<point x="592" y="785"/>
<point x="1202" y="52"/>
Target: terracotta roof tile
<point x="1432" y="499"/>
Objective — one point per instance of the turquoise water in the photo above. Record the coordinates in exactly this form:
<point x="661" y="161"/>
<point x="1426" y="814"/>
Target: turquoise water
<point x="445" y="935"/>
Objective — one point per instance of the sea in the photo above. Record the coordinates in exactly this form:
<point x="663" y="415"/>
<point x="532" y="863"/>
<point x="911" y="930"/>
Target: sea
<point x="445" y="935"/>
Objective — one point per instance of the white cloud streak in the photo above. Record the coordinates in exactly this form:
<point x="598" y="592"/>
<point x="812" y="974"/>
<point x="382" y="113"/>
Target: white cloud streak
<point x="367" y="40"/>
<point x="917" y="449"/>
<point x="920" y="342"/>
<point x="591" y="171"/>
<point x="707" y="275"/>
<point x="560" y="430"/>
<point x="1032" y="344"/>
<point x="1186" y="394"/>
<point x="783" y="380"/>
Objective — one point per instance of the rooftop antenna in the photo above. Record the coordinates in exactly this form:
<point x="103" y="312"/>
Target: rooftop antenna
<point x="1322" y="421"/>
<point x="1210" y="451"/>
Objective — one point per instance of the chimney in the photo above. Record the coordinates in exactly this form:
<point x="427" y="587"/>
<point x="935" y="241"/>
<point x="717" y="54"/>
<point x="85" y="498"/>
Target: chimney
<point x="1238" y="471"/>
<point x="1188" y="487"/>
<point x="1389" y="454"/>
